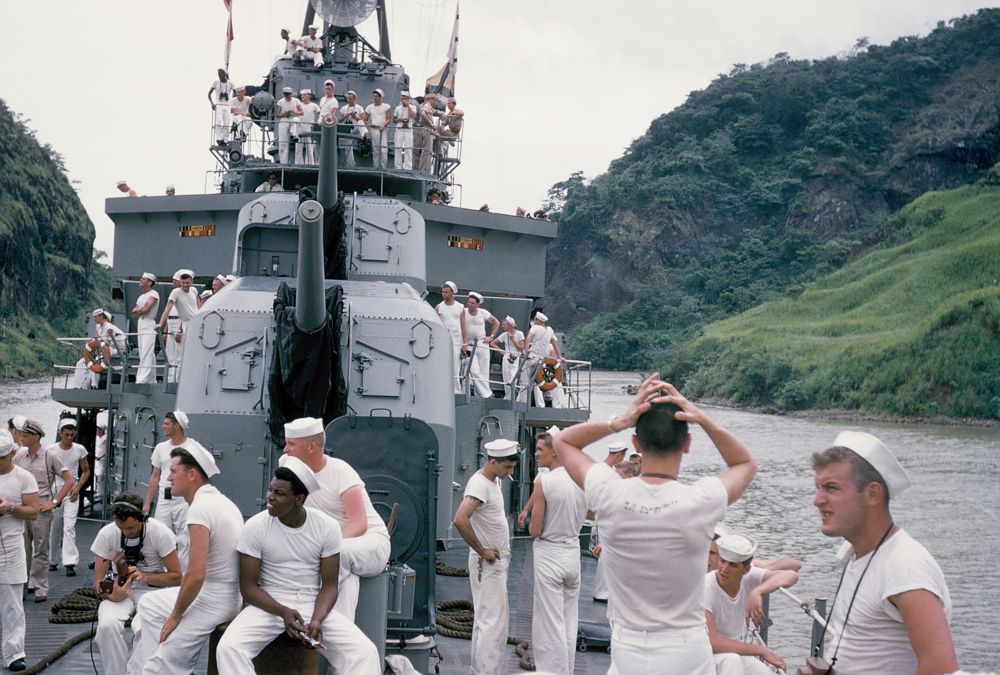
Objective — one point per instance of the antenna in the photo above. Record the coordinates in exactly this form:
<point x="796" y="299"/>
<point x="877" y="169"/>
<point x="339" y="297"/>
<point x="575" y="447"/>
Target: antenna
<point x="344" y="13"/>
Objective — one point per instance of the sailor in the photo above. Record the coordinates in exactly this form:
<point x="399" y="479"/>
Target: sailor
<point x="125" y="189"/>
<point x="12" y="425"/>
<point x="557" y="515"/>
<point x="222" y="88"/>
<point x="144" y="314"/>
<point x="18" y="503"/>
<point x="271" y="184"/>
<point x="423" y="134"/>
<point x="310" y="47"/>
<point x="100" y="453"/>
<point x="176" y="622"/>
<point x="733" y="599"/>
<point x="511" y="340"/>
<point x="149" y="550"/>
<point x="377" y="114"/>
<point x="538" y="344"/>
<point x="305" y="149"/>
<point x="218" y="283"/>
<point x="62" y="538"/>
<point x="290" y="557"/>
<point x="635" y="457"/>
<point x="287" y="109"/>
<point x="434" y="197"/>
<point x="353" y="114"/>
<point x="452" y="315"/>
<point x="171" y="347"/>
<point x="290" y="46"/>
<point x="615" y="456"/>
<point x="109" y="341"/>
<point x="403" y="116"/>
<point x="891" y="611"/>
<point x="185" y="299"/>
<point x="342" y="496"/>
<point x="328" y="104"/>
<point x="482" y="522"/>
<point x="240" y="108"/>
<point x="451" y="126"/>
<point x="476" y="319"/>
<point x="45" y="467"/>
<point x="171" y="509"/>
<point x="655" y="531"/>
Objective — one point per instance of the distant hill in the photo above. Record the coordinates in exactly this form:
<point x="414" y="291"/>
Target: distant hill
<point x="772" y="177"/>
<point x="909" y="329"/>
<point x="47" y="272"/>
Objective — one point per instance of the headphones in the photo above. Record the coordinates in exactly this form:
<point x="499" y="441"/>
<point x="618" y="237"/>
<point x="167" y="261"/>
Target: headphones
<point x="133" y="554"/>
<point x="129" y="506"/>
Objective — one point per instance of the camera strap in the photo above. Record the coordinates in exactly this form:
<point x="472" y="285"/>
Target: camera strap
<point x="133" y="554"/>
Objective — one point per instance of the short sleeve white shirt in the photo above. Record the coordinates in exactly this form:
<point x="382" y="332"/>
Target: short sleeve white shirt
<point x="292" y="105"/>
<point x="213" y="510"/>
<point x="70" y="459"/>
<point x="565" y="508"/>
<point x="377" y="114"/>
<point x="310" y="112"/>
<point x="451" y="317"/>
<point x="336" y="478"/>
<point x="509" y="345"/>
<point x="290" y="556"/>
<point x="404" y="114"/>
<point x="186" y="303"/>
<point x="151" y="294"/>
<point x="328" y="104"/>
<point x="489" y="521"/>
<point x="647" y="528"/>
<point x="157" y="543"/>
<point x="223" y="90"/>
<point x="114" y="336"/>
<point x="241" y="107"/>
<point x="729" y="614"/>
<point x="540" y="341"/>
<point x="13" y="485"/>
<point x="475" y="324"/>
<point x="355" y="109"/>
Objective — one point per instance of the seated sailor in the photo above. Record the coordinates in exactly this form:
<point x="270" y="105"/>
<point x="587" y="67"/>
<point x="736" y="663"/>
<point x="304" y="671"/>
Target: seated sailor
<point x="289" y="565"/>
<point x="134" y="555"/>
<point x="107" y="343"/>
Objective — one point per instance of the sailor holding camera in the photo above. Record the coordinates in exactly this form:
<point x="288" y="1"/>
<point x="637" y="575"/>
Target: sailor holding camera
<point x="511" y="340"/>
<point x="146" y="552"/>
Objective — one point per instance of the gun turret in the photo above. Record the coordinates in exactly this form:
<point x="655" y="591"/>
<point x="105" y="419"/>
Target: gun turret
<point x="310" y="302"/>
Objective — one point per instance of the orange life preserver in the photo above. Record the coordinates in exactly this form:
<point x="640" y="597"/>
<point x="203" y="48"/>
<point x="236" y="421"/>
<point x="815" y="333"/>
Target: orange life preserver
<point x="549" y="375"/>
<point x="97" y="359"/>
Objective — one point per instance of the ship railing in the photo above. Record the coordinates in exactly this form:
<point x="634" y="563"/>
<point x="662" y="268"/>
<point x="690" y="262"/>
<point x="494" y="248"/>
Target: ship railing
<point x="70" y="366"/>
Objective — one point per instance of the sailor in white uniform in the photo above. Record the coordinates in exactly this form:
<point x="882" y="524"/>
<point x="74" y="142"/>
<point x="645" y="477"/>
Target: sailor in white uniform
<point x="176" y="622"/>
<point x="287" y="109"/>
<point x="100" y="452"/>
<point x="403" y="116"/>
<point x="452" y="315"/>
<point x="149" y="549"/>
<point x="342" y="496"/>
<point x="311" y="47"/>
<point x="305" y="149"/>
<point x="377" y="115"/>
<point x="511" y="340"/>
<point x="328" y="104"/>
<point x="110" y="340"/>
<point x="557" y="515"/>
<point x="476" y="319"/>
<point x="144" y="313"/>
<point x="290" y="557"/>
<point x="240" y="107"/>
<point x="18" y="503"/>
<point x="539" y="343"/>
<point x="354" y="115"/>
<point x="222" y="88"/>
<point x="62" y="537"/>
<point x="184" y="299"/>
<point x="481" y="520"/>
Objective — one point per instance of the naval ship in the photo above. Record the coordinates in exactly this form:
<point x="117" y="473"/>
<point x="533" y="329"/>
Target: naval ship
<point x="331" y="314"/>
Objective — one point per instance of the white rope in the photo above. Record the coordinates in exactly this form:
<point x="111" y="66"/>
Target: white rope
<point x="805" y="607"/>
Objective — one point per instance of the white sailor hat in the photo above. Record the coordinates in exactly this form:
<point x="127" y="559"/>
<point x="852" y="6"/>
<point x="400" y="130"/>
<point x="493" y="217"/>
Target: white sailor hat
<point x="736" y="548"/>
<point x="721" y="530"/>
<point x="222" y="278"/>
<point x="879" y="456"/>
<point x="509" y="319"/>
<point x="301" y="471"/>
<point x="379" y="92"/>
<point x="313" y="27"/>
<point x="169" y="187"/>
<point x="230" y="277"/>
<point x="452" y="286"/>
<point x="287" y="90"/>
<point x="241" y="87"/>
<point x="148" y="275"/>
<point x="404" y="93"/>
<point x="102" y="419"/>
<point x="202" y="456"/>
<point x="304" y="427"/>
<point x="501" y="448"/>
<point x="330" y="82"/>
<point x="182" y="419"/>
<point x="121" y="182"/>
<point x="286" y="30"/>
<point x="67" y="422"/>
<point x="207" y="293"/>
<point x="351" y="92"/>
<point x="541" y="317"/>
<point x="476" y="296"/>
<point x="617" y="446"/>
<point x="303" y="92"/>
<point x="7" y="444"/>
<point x="177" y="275"/>
<point x="187" y="272"/>
<point x="98" y="312"/>
<point x="553" y="430"/>
<point x="18" y="420"/>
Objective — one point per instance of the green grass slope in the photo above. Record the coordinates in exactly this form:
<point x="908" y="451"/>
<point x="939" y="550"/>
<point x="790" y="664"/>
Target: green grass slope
<point x="910" y="329"/>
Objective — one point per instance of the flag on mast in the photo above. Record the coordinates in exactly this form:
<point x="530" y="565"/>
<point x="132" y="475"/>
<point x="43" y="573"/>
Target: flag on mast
<point x="229" y="30"/>
<point x="443" y="81"/>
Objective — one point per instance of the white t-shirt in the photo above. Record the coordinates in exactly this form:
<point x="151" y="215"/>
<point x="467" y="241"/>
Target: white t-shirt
<point x="729" y="614"/>
<point x="213" y="510"/>
<point x="336" y="478"/>
<point x="185" y="303"/>
<point x="875" y="640"/>
<point x="157" y="543"/>
<point x="292" y="105"/>
<point x="113" y="335"/>
<point x="160" y="459"/>
<point x="13" y="485"/>
<point x="143" y="299"/>
<point x="451" y="317"/>
<point x="565" y="508"/>
<point x="347" y="110"/>
<point x="540" y="341"/>
<point x="70" y="459"/>
<point x="241" y="107"/>
<point x="489" y="521"/>
<point x="223" y="90"/>
<point x="403" y="113"/>
<point x="475" y="324"/>
<point x="377" y="114"/>
<point x="510" y="346"/>
<point x="310" y="112"/>
<point x="328" y="104"/>
<point x="290" y="556"/>
<point x="648" y="528"/>
<point x="312" y="43"/>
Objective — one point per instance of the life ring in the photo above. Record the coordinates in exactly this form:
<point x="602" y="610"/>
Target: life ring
<point x="96" y="358"/>
<point x="549" y="375"/>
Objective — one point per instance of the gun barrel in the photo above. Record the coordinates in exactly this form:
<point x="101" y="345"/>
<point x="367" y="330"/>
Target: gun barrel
<point x="326" y="192"/>
<point x="310" y="301"/>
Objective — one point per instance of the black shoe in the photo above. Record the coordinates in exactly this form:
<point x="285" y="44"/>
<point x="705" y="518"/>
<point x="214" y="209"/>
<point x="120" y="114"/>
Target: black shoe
<point x="40" y="598"/>
<point x="90" y="565"/>
<point x="71" y="570"/>
<point x="31" y="591"/>
<point x="53" y="568"/>
<point x="17" y="666"/>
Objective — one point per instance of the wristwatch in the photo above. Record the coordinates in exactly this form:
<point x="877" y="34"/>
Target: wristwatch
<point x="11" y="508"/>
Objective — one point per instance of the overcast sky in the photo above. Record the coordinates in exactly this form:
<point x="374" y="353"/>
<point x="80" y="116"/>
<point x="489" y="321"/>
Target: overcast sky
<point x="548" y="86"/>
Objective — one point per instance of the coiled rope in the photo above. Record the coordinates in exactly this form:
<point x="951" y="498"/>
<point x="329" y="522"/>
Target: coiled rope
<point x="455" y="619"/>
<point x="79" y="606"/>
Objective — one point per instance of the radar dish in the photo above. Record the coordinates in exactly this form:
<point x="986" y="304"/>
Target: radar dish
<point x="344" y="13"/>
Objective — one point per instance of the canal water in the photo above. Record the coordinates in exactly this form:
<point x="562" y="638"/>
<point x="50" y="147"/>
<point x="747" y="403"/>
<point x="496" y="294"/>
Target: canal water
<point x="952" y="507"/>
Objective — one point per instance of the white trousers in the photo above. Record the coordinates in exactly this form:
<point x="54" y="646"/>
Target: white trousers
<point x="403" y="149"/>
<point x="173" y="514"/>
<point x="84" y="378"/>
<point x="146" y="372"/>
<point x="347" y="649"/>
<point x="305" y="149"/>
<point x="62" y="537"/>
<point x="735" y="664"/>
<point x="480" y="369"/>
<point x="223" y="120"/>
<point x="178" y="655"/>
<point x="556" y="394"/>
<point x="456" y="359"/>
<point x="110" y="637"/>
<point x="172" y="348"/>
<point x="287" y="126"/>
<point x="12" y="622"/>
<point x="380" y="148"/>
<point x="671" y="651"/>
<point x="555" y="609"/>
<point x="489" y="601"/>
<point x="364" y="556"/>
<point x="243" y="125"/>
<point x="600" y="581"/>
